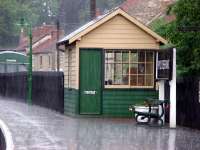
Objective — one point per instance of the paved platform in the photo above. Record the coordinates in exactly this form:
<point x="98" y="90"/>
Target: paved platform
<point x="36" y="128"/>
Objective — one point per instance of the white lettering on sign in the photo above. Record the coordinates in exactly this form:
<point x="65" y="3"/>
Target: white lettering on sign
<point x="90" y="92"/>
<point x="11" y="60"/>
<point x="163" y="64"/>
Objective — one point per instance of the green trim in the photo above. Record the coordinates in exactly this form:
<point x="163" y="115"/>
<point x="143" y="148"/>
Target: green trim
<point x="71" y="101"/>
<point x="20" y="59"/>
<point x="116" y="102"/>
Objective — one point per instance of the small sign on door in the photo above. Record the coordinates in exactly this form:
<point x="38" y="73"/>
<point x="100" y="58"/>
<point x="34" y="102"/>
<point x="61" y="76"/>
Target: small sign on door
<point x="89" y="92"/>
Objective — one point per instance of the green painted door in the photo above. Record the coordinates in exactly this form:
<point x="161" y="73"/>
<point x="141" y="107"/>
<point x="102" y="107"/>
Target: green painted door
<point x="90" y="81"/>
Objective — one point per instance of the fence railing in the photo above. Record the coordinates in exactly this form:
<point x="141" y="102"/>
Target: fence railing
<point x="188" y="104"/>
<point x="188" y="101"/>
<point x="47" y="88"/>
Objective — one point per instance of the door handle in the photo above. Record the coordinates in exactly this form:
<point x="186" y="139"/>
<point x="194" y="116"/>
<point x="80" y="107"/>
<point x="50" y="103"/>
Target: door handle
<point x="90" y="92"/>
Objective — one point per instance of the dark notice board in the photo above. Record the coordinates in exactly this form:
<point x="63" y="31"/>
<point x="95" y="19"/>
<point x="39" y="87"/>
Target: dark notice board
<point x="164" y="64"/>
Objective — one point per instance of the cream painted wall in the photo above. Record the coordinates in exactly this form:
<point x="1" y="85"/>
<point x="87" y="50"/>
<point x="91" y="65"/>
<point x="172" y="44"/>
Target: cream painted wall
<point x="118" y="33"/>
<point x="70" y="68"/>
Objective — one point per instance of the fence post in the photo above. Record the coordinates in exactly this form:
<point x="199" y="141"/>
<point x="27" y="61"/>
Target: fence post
<point x="172" y="121"/>
<point x="162" y="95"/>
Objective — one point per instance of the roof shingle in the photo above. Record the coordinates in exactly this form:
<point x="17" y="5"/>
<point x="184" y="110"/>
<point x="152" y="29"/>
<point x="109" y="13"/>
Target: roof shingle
<point x="146" y="10"/>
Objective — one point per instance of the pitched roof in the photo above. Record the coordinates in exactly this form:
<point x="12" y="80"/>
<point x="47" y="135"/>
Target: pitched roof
<point x="102" y="19"/>
<point x="44" y="39"/>
<point x="46" y="47"/>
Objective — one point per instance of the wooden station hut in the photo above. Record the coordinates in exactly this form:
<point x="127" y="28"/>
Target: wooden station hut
<point x="109" y="65"/>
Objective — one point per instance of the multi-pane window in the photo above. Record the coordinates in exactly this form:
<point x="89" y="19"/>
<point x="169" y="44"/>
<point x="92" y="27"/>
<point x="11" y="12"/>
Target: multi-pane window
<point x="49" y="57"/>
<point x="129" y="68"/>
<point x="41" y="62"/>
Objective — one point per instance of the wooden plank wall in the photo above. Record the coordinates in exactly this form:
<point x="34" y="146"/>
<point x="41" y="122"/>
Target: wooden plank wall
<point x="118" y="33"/>
<point x="70" y="71"/>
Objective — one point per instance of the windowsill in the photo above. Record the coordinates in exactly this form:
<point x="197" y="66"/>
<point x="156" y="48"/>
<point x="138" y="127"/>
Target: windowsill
<point x="127" y="87"/>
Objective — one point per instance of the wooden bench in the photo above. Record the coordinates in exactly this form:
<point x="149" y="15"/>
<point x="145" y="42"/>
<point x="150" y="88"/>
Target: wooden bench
<point x="151" y="105"/>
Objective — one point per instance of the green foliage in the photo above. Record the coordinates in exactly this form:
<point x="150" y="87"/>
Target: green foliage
<point x="46" y="10"/>
<point x="187" y="42"/>
<point x="35" y="12"/>
<point x="155" y="25"/>
<point x="8" y="17"/>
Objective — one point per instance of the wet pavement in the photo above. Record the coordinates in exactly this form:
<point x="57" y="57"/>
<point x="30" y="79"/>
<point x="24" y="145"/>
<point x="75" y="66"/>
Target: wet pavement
<point x="36" y="128"/>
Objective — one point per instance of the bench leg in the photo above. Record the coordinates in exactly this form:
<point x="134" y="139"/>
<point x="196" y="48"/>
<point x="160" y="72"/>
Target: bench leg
<point x="139" y="119"/>
<point x="160" y="120"/>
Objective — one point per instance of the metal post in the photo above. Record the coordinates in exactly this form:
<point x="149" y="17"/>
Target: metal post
<point x="162" y="95"/>
<point x="172" y="122"/>
<point x="161" y="84"/>
<point x="30" y="68"/>
<point x="23" y="23"/>
<point x="58" y="52"/>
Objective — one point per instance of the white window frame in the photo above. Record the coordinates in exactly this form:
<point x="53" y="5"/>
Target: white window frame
<point x="129" y="86"/>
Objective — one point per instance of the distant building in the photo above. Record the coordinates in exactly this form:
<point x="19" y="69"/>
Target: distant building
<point x="44" y="47"/>
<point x="147" y="11"/>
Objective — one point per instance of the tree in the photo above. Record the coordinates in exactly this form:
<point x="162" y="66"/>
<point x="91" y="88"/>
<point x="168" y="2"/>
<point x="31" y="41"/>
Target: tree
<point x="35" y="12"/>
<point x="69" y="14"/>
<point x="184" y="35"/>
<point x="73" y="14"/>
<point x="9" y="15"/>
<point x="46" y="10"/>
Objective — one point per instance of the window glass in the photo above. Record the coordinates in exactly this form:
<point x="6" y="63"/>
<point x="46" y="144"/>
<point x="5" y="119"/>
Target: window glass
<point x="125" y="69"/>
<point x="125" y="57"/>
<point x="11" y="68"/>
<point x="134" y="68"/>
<point x="141" y="81"/>
<point x="125" y="79"/>
<point x="149" y="80"/>
<point x="134" y="57"/>
<point x="149" y="68"/>
<point x="41" y="62"/>
<point x="141" y="68"/>
<point x="22" y="67"/>
<point x="117" y="79"/>
<point x="109" y="57"/>
<point x="133" y="80"/>
<point x="118" y="68"/>
<point x="118" y="56"/>
<point x="149" y="56"/>
<point x="2" y="68"/>
<point x="109" y="73"/>
<point x="141" y="56"/>
<point x="49" y="61"/>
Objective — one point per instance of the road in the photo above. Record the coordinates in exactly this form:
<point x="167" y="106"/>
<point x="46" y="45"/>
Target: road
<point x="36" y="128"/>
